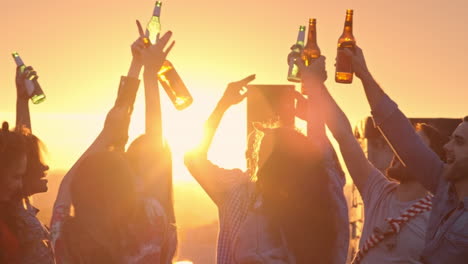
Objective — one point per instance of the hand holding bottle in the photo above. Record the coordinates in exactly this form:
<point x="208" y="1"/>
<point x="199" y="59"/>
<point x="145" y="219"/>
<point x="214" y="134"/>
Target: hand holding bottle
<point x="236" y="91"/>
<point x="358" y="61"/>
<point x="313" y="74"/>
<point x="22" y="76"/>
<point x="154" y="55"/>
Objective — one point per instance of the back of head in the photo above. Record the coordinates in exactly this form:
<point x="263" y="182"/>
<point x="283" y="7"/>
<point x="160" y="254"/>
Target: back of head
<point x="160" y="183"/>
<point x="106" y="206"/>
<point x="293" y="182"/>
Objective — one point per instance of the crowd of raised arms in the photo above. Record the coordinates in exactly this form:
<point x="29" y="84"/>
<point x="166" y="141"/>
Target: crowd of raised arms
<point x="115" y="204"/>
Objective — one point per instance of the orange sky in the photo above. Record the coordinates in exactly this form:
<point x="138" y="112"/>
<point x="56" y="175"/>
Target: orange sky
<point x="415" y="49"/>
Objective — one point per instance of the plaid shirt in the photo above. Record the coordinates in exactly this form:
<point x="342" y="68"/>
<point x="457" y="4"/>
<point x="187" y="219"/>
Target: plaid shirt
<point x="34" y="237"/>
<point x="233" y="210"/>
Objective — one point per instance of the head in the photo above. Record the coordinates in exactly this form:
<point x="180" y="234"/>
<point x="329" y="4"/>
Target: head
<point x="153" y="171"/>
<point x="105" y="203"/>
<point x="293" y="182"/>
<point x="457" y="149"/>
<point x="13" y="162"/>
<point x="34" y="180"/>
<point x="432" y="138"/>
<point x="157" y="182"/>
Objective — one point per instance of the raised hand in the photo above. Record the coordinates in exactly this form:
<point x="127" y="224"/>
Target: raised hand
<point x="358" y="61"/>
<point x="313" y="74"/>
<point x="236" y="91"/>
<point x="154" y="55"/>
<point x="21" y="76"/>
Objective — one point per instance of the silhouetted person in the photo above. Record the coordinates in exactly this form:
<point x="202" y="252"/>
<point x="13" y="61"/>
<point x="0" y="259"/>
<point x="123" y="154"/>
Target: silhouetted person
<point x="112" y="222"/>
<point x="447" y="235"/>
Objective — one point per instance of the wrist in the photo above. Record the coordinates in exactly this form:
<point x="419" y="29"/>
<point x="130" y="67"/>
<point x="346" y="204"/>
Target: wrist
<point x="135" y="69"/>
<point x="223" y="105"/>
<point x="366" y="77"/>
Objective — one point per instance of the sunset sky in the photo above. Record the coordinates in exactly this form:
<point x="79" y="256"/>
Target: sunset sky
<point x="417" y="50"/>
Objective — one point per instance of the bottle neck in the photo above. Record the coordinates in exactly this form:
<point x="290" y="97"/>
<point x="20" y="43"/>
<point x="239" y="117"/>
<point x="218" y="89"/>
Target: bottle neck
<point x="312" y="36"/>
<point x="348" y="26"/>
<point x="301" y="37"/>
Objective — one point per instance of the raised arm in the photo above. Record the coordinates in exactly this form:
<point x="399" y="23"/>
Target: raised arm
<point x="23" y="118"/>
<point x="214" y="180"/>
<point x="113" y="136"/>
<point x="423" y="163"/>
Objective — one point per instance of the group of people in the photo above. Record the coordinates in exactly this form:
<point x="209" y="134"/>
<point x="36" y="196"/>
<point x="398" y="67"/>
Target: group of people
<point x="115" y="205"/>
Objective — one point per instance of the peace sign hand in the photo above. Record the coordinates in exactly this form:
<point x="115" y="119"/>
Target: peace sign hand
<point x="154" y="55"/>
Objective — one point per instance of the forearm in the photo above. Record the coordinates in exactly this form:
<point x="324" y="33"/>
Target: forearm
<point x="135" y="69"/>
<point x="374" y="92"/>
<point x="153" y="115"/>
<point x="23" y="117"/>
<point x="63" y="196"/>
<point x="422" y="162"/>
<point x="354" y="157"/>
<point x="314" y="113"/>
<point x="211" y="125"/>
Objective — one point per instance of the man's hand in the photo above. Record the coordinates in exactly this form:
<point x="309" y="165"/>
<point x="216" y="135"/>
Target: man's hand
<point x="236" y="91"/>
<point x="313" y="74"/>
<point x="21" y="77"/>
<point x="358" y="61"/>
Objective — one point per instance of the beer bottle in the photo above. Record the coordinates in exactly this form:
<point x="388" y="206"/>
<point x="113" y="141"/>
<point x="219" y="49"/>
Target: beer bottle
<point x="174" y="86"/>
<point x="154" y="25"/>
<point x="311" y="50"/>
<point x="344" y="68"/>
<point x="167" y="75"/>
<point x="33" y="88"/>
<point x="293" y="71"/>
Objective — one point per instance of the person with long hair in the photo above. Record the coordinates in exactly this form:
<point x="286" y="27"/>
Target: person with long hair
<point x="282" y="209"/>
<point x="151" y="159"/>
<point x="13" y="162"/>
<point x="112" y="221"/>
<point x="34" y="237"/>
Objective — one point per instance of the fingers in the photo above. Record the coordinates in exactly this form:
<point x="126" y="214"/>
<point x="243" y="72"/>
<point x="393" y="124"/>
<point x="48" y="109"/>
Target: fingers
<point x="301" y="64"/>
<point x="169" y="48"/>
<point x="162" y="42"/>
<point x="348" y="52"/>
<point x="246" y="80"/>
<point x="140" y="29"/>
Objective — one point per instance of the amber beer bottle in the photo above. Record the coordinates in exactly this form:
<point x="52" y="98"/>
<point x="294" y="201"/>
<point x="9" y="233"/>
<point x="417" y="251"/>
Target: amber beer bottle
<point x="174" y="86"/>
<point x="167" y="75"/>
<point x="311" y="50"/>
<point x="33" y="88"/>
<point x="293" y="71"/>
<point x="344" y="68"/>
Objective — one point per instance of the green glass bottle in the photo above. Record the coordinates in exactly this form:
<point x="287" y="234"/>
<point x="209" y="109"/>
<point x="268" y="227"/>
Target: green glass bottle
<point x="154" y="25"/>
<point x="293" y="71"/>
<point x="33" y="88"/>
